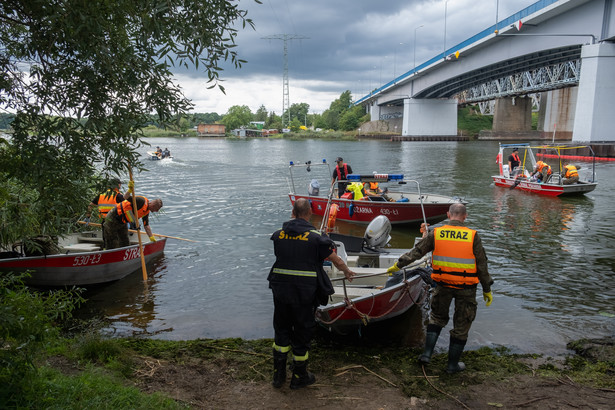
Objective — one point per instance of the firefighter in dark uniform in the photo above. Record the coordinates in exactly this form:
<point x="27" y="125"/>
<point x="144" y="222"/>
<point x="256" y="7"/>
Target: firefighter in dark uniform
<point x="299" y="284"/>
<point x="459" y="263"/>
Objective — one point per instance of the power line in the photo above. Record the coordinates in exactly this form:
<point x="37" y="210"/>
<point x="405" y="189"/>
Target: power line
<point x="285" y="90"/>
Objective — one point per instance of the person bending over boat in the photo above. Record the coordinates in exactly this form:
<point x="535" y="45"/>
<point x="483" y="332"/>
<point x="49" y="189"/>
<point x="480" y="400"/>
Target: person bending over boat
<point x="115" y="228"/>
<point x="299" y="284"/>
<point x="341" y="171"/>
<point x="541" y="171"/>
<point x="570" y="174"/>
<point x="373" y="190"/>
<point x="459" y="263"/>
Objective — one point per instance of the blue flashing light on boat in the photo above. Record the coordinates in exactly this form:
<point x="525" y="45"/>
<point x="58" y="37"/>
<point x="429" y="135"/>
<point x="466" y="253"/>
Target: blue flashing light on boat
<point x="324" y="160"/>
<point x="292" y="163"/>
<point x="396" y="177"/>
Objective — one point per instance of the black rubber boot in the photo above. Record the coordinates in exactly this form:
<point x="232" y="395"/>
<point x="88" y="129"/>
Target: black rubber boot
<point x="301" y="377"/>
<point x="455" y="349"/>
<point x="279" y="368"/>
<point x="431" y="337"/>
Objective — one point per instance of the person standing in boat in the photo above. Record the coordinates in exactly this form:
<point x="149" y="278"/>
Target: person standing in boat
<point x="570" y="174"/>
<point x="299" y="284"/>
<point x="107" y="201"/>
<point x="115" y="228"/>
<point x="341" y="171"/>
<point x="513" y="162"/>
<point x="459" y="263"/>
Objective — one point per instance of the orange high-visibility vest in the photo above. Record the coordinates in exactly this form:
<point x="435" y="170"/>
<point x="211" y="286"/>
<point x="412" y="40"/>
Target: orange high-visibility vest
<point x="571" y="171"/>
<point x="453" y="260"/>
<point x="125" y="211"/>
<point x="540" y="165"/>
<point x="107" y="201"/>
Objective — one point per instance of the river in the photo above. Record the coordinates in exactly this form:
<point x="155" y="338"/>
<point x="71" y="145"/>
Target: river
<point x="551" y="258"/>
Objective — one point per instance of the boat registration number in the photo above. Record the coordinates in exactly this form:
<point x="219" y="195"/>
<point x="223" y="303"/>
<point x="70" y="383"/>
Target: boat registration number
<point x="87" y="260"/>
<point x="131" y="254"/>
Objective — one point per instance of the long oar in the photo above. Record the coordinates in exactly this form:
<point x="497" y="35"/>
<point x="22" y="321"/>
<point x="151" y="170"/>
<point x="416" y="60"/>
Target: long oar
<point x="136" y="216"/>
<point x="132" y="230"/>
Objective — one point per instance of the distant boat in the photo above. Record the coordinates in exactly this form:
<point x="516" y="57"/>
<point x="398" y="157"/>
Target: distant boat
<point x="154" y="156"/>
<point x="520" y="178"/>
<point x="82" y="262"/>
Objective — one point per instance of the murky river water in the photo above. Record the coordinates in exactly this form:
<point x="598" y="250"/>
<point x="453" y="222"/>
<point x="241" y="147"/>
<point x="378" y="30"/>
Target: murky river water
<point x="552" y="259"/>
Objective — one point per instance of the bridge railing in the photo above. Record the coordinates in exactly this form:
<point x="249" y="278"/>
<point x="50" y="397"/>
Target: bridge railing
<point x="532" y="8"/>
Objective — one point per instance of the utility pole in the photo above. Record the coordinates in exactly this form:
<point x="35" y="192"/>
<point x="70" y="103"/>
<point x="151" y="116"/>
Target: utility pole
<point x="285" y="93"/>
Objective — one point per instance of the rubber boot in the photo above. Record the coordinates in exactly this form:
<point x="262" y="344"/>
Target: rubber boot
<point x="455" y="349"/>
<point x="301" y="377"/>
<point x="279" y="369"/>
<point x="431" y="337"/>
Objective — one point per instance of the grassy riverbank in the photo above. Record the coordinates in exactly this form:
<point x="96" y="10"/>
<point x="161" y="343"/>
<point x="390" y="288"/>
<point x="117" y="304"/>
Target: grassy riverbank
<point x="88" y="371"/>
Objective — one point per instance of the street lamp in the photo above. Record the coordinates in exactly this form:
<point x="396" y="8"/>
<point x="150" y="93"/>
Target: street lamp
<point x="497" y="6"/>
<point x="444" y="47"/>
<point x="414" y="71"/>
<point x="395" y="61"/>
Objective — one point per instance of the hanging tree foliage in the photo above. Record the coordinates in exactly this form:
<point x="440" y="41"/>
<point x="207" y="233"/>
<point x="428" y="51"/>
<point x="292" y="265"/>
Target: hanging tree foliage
<point x="82" y="78"/>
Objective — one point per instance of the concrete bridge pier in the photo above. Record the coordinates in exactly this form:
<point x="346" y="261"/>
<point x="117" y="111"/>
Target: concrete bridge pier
<point x="429" y="117"/>
<point x="556" y="115"/>
<point x="594" y="119"/>
<point x="512" y="114"/>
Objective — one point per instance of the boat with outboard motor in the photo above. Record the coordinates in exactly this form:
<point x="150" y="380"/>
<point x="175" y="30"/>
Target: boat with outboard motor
<point x="401" y="207"/>
<point x="555" y="184"/>
<point x="79" y="260"/>
<point x="373" y="296"/>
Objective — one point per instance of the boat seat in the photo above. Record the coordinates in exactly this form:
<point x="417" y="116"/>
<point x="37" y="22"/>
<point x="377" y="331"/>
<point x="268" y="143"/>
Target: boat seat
<point x="90" y="240"/>
<point x="80" y="247"/>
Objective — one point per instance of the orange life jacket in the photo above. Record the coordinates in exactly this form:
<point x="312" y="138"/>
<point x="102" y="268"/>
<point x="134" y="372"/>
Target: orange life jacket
<point x="373" y="186"/>
<point x="571" y="171"/>
<point x="540" y="165"/>
<point x="453" y="260"/>
<point x="339" y="173"/>
<point x="125" y="211"/>
<point x="107" y="201"/>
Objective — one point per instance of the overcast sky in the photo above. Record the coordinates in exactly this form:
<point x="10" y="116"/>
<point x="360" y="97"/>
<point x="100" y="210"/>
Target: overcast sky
<point x="354" y="45"/>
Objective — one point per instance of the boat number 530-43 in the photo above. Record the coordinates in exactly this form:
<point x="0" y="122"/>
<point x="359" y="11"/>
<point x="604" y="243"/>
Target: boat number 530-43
<point x="87" y="260"/>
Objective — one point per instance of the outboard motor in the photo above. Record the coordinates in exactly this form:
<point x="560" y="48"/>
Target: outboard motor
<point x="377" y="232"/>
<point x="314" y="188"/>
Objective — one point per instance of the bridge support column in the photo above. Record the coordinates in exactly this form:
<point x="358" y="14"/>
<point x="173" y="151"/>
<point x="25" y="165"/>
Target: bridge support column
<point x="556" y="116"/>
<point x="594" y="119"/>
<point x="512" y="114"/>
<point x="429" y="117"/>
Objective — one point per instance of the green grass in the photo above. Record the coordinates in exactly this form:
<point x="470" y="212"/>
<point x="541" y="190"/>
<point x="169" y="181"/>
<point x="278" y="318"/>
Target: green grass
<point x="471" y="122"/>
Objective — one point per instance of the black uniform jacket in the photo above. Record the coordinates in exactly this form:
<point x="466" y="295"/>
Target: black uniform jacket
<point x="300" y="251"/>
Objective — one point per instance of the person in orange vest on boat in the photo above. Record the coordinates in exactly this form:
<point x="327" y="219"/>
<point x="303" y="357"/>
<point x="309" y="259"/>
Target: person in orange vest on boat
<point x="373" y="190"/>
<point x="513" y="162"/>
<point x="341" y="171"/>
<point x="115" y="228"/>
<point x="570" y="174"/>
<point x="459" y="264"/>
<point x="107" y="200"/>
<point x="541" y="171"/>
<point x="299" y="284"/>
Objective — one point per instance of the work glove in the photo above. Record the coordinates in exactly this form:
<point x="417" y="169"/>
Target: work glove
<point x="153" y="239"/>
<point x="488" y="298"/>
<point x="131" y="185"/>
<point x="87" y="221"/>
<point x="393" y="269"/>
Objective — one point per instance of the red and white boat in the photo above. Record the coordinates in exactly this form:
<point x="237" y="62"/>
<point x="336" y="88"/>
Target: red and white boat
<point x="373" y="296"/>
<point x="521" y="179"/>
<point x="81" y="262"/>
<point x="405" y="208"/>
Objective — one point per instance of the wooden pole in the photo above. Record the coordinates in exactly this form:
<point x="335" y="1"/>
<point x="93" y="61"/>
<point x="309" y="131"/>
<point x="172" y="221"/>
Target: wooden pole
<point x="132" y="230"/>
<point x="136" y="215"/>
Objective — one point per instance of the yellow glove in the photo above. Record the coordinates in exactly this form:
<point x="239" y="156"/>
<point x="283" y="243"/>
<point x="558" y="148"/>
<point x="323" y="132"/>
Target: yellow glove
<point x="488" y="298"/>
<point x="392" y="269"/>
<point x="152" y="238"/>
<point x="131" y="185"/>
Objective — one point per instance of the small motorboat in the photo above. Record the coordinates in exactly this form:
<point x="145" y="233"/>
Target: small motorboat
<point x="372" y="296"/>
<point x="157" y="156"/>
<point x="521" y="178"/>
<point x="80" y="261"/>
<point x="400" y="206"/>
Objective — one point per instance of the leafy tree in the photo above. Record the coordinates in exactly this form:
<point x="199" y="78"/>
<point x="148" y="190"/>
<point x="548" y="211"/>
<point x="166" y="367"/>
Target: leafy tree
<point x="299" y="112"/>
<point x="352" y="118"/>
<point x="261" y="114"/>
<point x="336" y="110"/>
<point x="295" y="125"/>
<point x="273" y="121"/>
<point x="83" y="78"/>
<point x="237" y="116"/>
